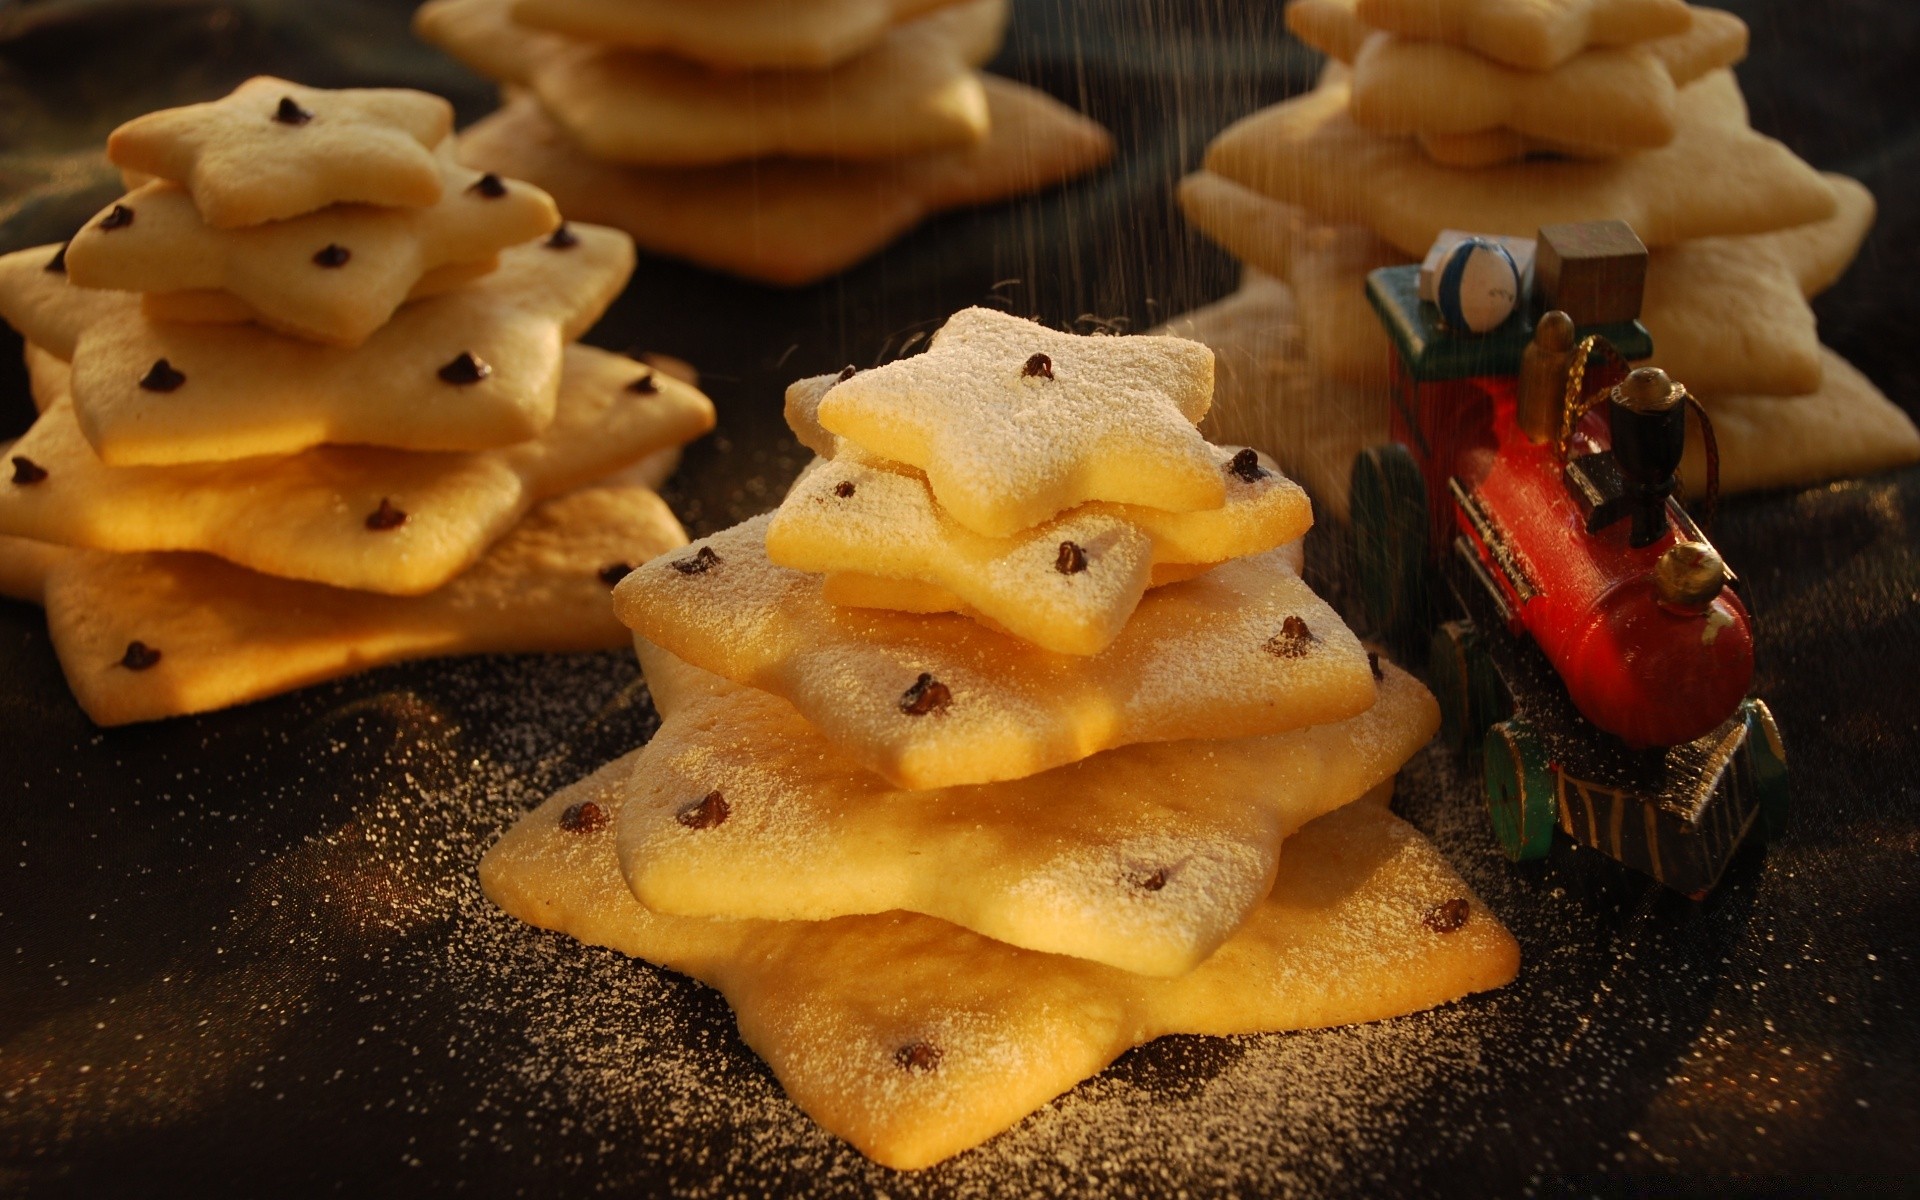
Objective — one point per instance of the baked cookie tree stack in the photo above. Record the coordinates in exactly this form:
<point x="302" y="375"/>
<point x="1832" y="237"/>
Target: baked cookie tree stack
<point x="779" y="141"/>
<point x="309" y="402"/>
<point x="1497" y="117"/>
<point x="978" y="755"/>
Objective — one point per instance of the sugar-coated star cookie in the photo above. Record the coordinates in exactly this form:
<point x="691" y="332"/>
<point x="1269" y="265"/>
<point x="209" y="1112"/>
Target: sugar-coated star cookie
<point x="1145" y="858"/>
<point x="914" y="1039"/>
<point x="1067" y="585"/>
<point x="375" y="520"/>
<point x="1013" y="422"/>
<point x="475" y="369"/>
<point x="332" y="276"/>
<point x="931" y="701"/>
<point x="916" y="91"/>
<point x="270" y="149"/>
<point x="1307" y="151"/>
<point x="1533" y="35"/>
<point x="742" y="35"/>
<point x="210" y="634"/>
<point x="786" y="221"/>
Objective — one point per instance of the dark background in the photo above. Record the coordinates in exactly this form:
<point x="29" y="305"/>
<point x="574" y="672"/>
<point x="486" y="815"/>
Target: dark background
<point x="244" y="954"/>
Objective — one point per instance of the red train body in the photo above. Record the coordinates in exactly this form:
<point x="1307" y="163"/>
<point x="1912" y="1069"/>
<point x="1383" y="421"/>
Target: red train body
<point x="1649" y="673"/>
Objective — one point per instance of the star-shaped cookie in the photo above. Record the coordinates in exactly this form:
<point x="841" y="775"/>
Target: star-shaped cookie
<point x="1307" y="151"/>
<point x="935" y="701"/>
<point x="239" y="390"/>
<point x="1467" y="110"/>
<point x="1532" y="35"/>
<point x="215" y="635"/>
<point x="374" y="520"/>
<point x="332" y="276"/>
<point x="916" y="91"/>
<point x="1013" y="422"/>
<point x="745" y="35"/>
<point x="272" y="149"/>
<point x="914" y="1039"/>
<point x="1161" y="854"/>
<point x="205" y="306"/>
<point x="788" y="221"/>
<point x="46" y="310"/>
<point x="1067" y="585"/>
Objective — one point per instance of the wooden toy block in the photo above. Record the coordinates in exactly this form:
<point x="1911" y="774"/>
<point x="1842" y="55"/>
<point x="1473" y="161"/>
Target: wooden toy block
<point x="1594" y="271"/>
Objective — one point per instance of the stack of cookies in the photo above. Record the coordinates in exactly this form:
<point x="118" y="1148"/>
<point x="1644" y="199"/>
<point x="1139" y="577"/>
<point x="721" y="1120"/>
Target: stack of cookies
<point x="309" y="402"/>
<point x="1493" y="117"/>
<point x="779" y="141"/>
<point x="979" y="754"/>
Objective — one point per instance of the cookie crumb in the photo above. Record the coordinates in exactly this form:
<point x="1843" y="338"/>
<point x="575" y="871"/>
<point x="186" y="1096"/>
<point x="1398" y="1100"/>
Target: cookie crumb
<point x="118" y="217"/>
<point x="844" y="489"/>
<point x="1039" y="365"/>
<point x="1072" y="559"/>
<point x="1246" y="465"/>
<point x="26" y="471"/>
<point x="465" y="369"/>
<point x="699" y="563"/>
<point x="706" y="812"/>
<point x="1150" y="883"/>
<point x="847" y="372"/>
<point x="139" y="656"/>
<point x="613" y="573"/>
<point x="562" y="238"/>
<point x="290" y="112"/>
<point x="386" y="517"/>
<point x="584" y="817"/>
<point x="1448" y="915"/>
<point x="489" y="186"/>
<point x="333" y="254"/>
<point x="927" y="695"/>
<point x="918" y="1057"/>
<point x="161" y="377"/>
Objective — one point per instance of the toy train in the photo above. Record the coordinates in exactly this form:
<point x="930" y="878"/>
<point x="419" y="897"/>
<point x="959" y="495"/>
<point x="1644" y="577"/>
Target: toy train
<point x="1600" y="659"/>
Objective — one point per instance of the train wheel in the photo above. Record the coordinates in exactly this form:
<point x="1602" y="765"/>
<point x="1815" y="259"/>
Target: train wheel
<point x="1465" y="684"/>
<point x="1389" y="506"/>
<point x="1520" y="794"/>
<point x="1767" y="763"/>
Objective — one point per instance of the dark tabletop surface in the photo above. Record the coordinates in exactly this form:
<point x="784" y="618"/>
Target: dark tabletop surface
<point x="245" y="953"/>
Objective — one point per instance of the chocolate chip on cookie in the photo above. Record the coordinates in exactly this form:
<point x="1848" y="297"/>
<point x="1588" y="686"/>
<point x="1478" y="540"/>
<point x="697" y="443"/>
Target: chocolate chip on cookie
<point x="710" y="810"/>
<point x="386" y="517"/>
<point x="927" y="695"/>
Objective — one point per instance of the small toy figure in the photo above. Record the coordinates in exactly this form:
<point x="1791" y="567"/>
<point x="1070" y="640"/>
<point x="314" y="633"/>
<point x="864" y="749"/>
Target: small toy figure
<point x="1601" y="660"/>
